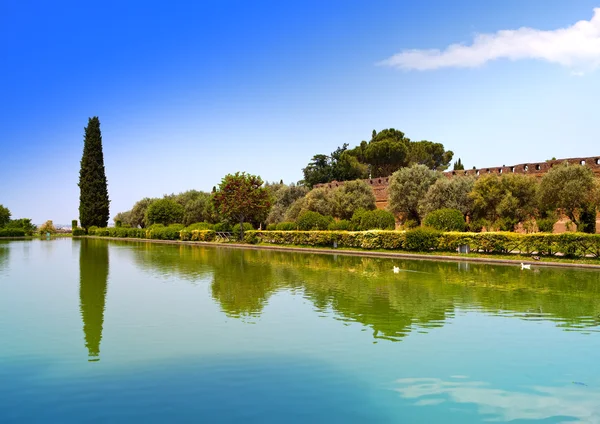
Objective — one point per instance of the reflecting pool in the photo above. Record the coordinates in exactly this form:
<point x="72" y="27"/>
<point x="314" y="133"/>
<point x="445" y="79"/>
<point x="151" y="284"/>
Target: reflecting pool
<point x="107" y="331"/>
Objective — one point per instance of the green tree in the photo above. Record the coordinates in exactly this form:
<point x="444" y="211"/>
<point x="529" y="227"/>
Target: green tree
<point x="430" y="154"/>
<point x="317" y="171"/>
<point x="24" y="224"/>
<point x="570" y="188"/>
<point x="386" y="152"/>
<point x="241" y="198"/>
<point x="93" y="197"/>
<point x="164" y="211"/>
<point x="283" y="197"/>
<point x="458" y="165"/>
<point x="449" y="193"/>
<point x="4" y="216"/>
<point x="124" y="217"/>
<point x="198" y="210"/>
<point x="320" y="200"/>
<point x="138" y="212"/>
<point x="349" y="197"/>
<point x="407" y="187"/>
<point x="47" y="227"/>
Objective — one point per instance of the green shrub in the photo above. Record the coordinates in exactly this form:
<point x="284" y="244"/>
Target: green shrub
<point x="237" y="229"/>
<point x="118" y="223"/>
<point x="12" y="232"/>
<point x="287" y="226"/>
<point x="377" y="219"/>
<point x="422" y="239"/>
<point x="271" y="227"/>
<point x="160" y="232"/>
<point x="446" y="220"/>
<point x="506" y="224"/>
<point x="223" y="226"/>
<point x="588" y="220"/>
<point x="92" y="230"/>
<point x="197" y="235"/>
<point x="78" y="231"/>
<point x="342" y="225"/>
<point x="409" y="224"/>
<point x="164" y="211"/>
<point x="310" y="220"/>
<point x="477" y="225"/>
<point x="73" y="224"/>
<point x="200" y="226"/>
<point x="545" y="225"/>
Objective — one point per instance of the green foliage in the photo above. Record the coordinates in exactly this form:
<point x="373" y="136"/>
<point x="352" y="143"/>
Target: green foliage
<point x="409" y="224"/>
<point x="125" y="218"/>
<point x="93" y="197"/>
<point x="430" y="154"/>
<point x="341" y="165"/>
<point x="23" y="224"/>
<point x="545" y="225"/>
<point x="241" y="198"/>
<point x="118" y="223"/>
<point x="450" y="193"/>
<point x="570" y="188"/>
<point x="164" y="211"/>
<point x="351" y="196"/>
<point x="74" y="224"/>
<point x="286" y="226"/>
<point x="319" y="200"/>
<point x="284" y="196"/>
<point x="4" y="216"/>
<point x="76" y="231"/>
<point x="295" y="209"/>
<point x="377" y="219"/>
<point x="458" y="165"/>
<point x="47" y="227"/>
<point x="12" y="232"/>
<point x="389" y="240"/>
<point x="408" y="187"/>
<point x="223" y="226"/>
<point x="446" y="220"/>
<point x="200" y="226"/>
<point x="138" y="213"/>
<point x="587" y="217"/>
<point x="310" y="220"/>
<point x="198" y="235"/>
<point x="161" y="232"/>
<point x="477" y="225"/>
<point x="342" y="225"/>
<point x="237" y="229"/>
<point x="422" y="239"/>
<point x="271" y="227"/>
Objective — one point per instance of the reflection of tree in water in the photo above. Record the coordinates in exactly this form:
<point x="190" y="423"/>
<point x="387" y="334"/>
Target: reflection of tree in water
<point x="4" y="252"/>
<point x="423" y="295"/>
<point x="93" y="282"/>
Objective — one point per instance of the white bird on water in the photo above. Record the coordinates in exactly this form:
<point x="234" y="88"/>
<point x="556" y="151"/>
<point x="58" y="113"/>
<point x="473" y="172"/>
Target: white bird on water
<point x="396" y="270"/>
<point x="525" y="266"/>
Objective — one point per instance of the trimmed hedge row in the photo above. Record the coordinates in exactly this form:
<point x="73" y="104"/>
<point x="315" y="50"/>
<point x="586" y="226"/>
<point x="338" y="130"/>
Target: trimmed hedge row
<point x="418" y="239"/>
<point x="12" y="232"/>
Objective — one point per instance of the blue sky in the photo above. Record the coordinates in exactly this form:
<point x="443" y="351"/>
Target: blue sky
<point x="187" y="92"/>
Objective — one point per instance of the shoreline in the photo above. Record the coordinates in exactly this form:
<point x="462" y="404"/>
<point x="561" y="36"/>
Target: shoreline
<point x="367" y="253"/>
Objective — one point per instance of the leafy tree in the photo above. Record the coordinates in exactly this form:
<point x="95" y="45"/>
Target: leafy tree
<point x="199" y="209"/>
<point x="4" y="216"/>
<point x="138" y="212"/>
<point x="317" y="171"/>
<point x="93" y="197"/>
<point x="23" y="223"/>
<point x="47" y="227"/>
<point x="241" y="198"/>
<point x="446" y="220"/>
<point x="345" y="166"/>
<point x="283" y="197"/>
<point x="458" y="165"/>
<point x="124" y="217"/>
<point x="570" y="188"/>
<point x="429" y="154"/>
<point x="320" y="200"/>
<point x="349" y="197"/>
<point x="449" y="193"/>
<point x="295" y="209"/>
<point x="386" y="152"/>
<point x="164" y="211"/>
<point x="407" y="187"/>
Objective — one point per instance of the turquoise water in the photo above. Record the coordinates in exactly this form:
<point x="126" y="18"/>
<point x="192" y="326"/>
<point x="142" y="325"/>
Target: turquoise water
<point x="97" y="331"/>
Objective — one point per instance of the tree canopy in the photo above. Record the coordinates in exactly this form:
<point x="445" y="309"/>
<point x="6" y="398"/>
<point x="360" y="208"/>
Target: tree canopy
<point x="408" y="186"/>
<point x="4" y="216"/>
<point x="164" y="211"/>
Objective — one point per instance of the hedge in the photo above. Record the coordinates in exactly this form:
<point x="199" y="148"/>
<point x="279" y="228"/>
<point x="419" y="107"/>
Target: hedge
<point x="12" y="232"/>
<point x="419" y="239"/>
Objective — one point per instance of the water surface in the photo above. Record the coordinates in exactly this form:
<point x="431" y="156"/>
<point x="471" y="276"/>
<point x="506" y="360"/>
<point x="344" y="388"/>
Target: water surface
<point x="98" y="331"/>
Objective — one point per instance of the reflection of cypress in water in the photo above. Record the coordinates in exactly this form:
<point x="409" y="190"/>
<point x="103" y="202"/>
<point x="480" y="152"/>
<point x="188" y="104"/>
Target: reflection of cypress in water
<point x="93" y="281"/>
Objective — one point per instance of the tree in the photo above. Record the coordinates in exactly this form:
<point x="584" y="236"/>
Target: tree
<point x="351" y="196"/>
<point x="24" y="224"/>
<point x="317" y="171"/>
<point x="407" y="187"/>
<point x="47" y="227"/>
<point x="138" y="212"/>
<point x="4" y="216"/>
<point x="449" y="193"/>
<point x="283" y="197"/>
<point x="241" y="198"/>
<point x="93" y="197"/>
<point x="429" y="154"/>
<point x="386" y="152"/>
<point x="197" y="210"/>
<point x="458" y="165"/>
<point x="320" y="200"/>
<point x="570" y="188"/>
<point x="124" y="218"/>
<point x="164" y="211"/>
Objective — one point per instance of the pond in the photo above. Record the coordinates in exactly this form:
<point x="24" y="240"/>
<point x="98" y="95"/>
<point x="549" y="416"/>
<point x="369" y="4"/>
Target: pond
<point x="107" y="331"/>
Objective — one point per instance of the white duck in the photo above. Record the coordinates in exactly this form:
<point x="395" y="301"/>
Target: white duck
<point x="525" y="266"/>
<point x="396" y="270"/>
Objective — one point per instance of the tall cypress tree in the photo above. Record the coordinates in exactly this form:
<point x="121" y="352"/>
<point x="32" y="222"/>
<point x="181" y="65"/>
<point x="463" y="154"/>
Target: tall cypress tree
<point x="93" y="190"/>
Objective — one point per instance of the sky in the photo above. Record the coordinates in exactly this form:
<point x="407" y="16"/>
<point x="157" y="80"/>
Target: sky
<point x="189" y="91"/>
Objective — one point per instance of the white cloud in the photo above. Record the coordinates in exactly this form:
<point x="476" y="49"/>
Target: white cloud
<point x="576" y="47"/>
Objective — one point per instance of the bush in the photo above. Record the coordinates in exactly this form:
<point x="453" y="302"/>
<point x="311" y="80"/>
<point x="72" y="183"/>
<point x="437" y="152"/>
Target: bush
<point x="545" y="225"/>
<point x="78" y="231"/>
<point x="197" y="235"/>
<point x="271" y="227"/>
<point x="446" y="220"/>
<point x="200" y="226"/>
<point x="47" y="227"/>
<point x="506" y="224"/>
<point x="477" y="225"/>
<point x="237" y="229"/>
<point x="422" y="239"/>
<point x="73" y="224"/>
<point x="587" y="219"/>
<point x="377" y="219"/>
<point x="287" y="226"/>
<point x="223" y="226"/>
<point x="342" y="225"/>
<point x="164" y="211"/>
<point x="391" y="240"/>
<point x="160" y="232"/>
<point x="409" y="224"/>
<point x="92" y="230"/>
<point x="12" y="232"/>
<point x="313" y="221"/>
